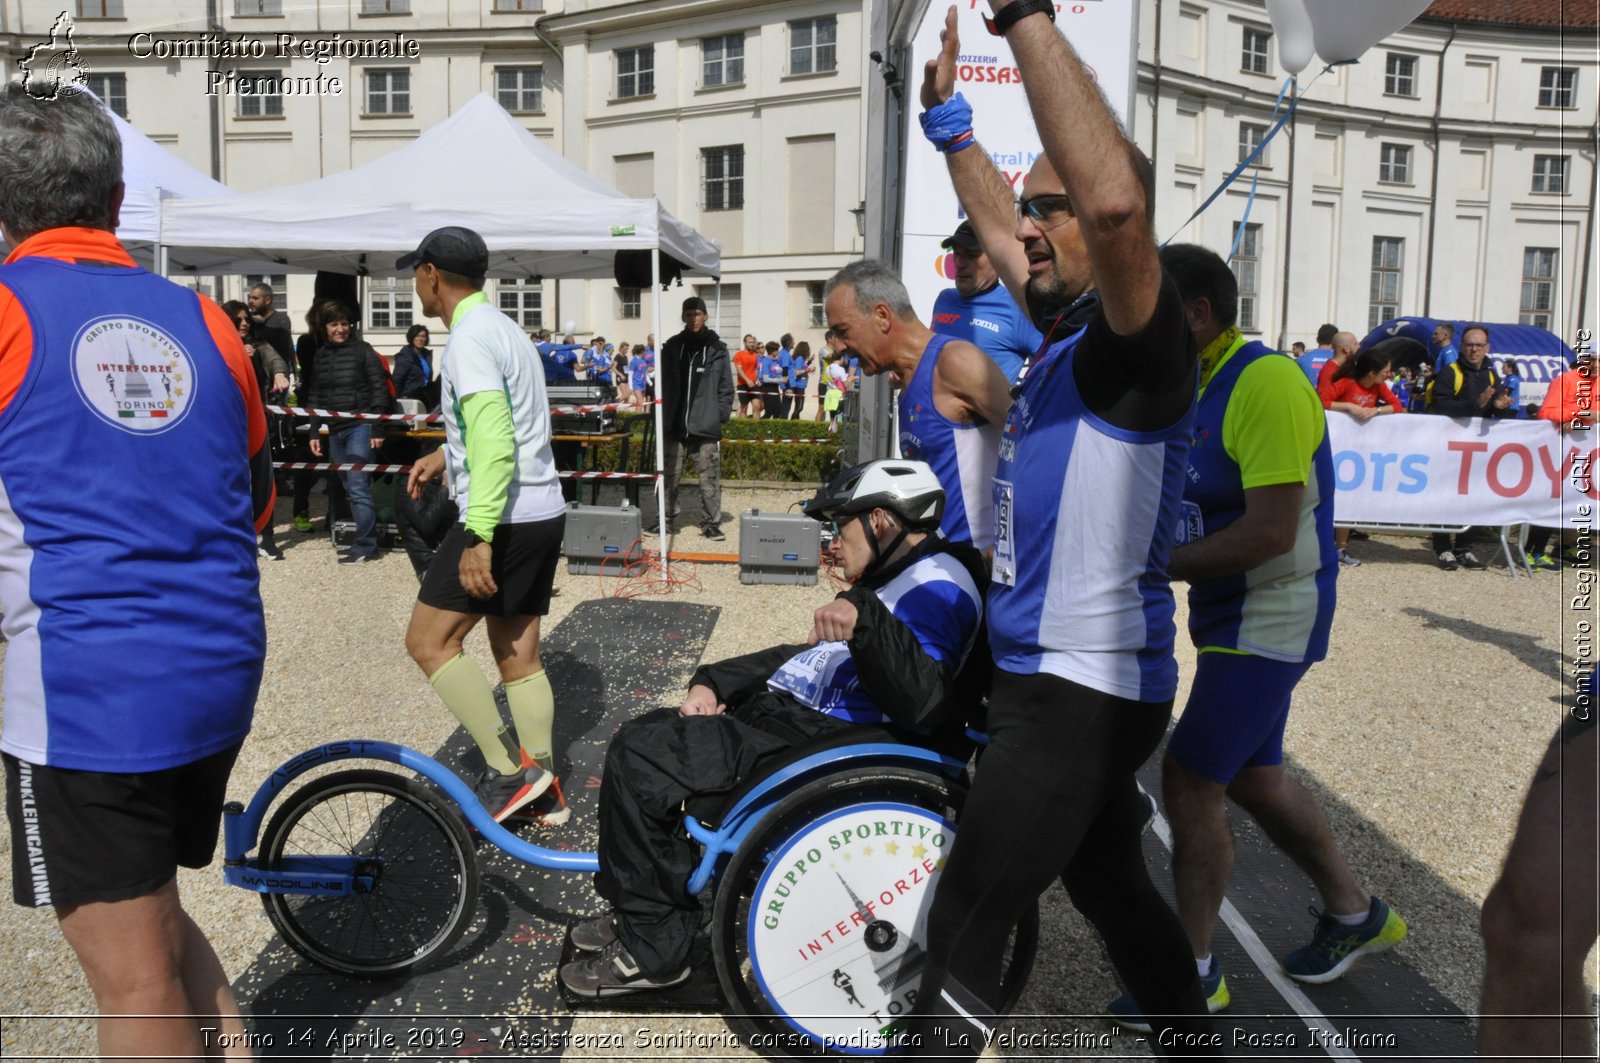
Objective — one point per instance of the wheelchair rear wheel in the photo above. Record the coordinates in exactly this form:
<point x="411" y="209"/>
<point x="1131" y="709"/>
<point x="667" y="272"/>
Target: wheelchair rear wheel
<point x="820" y="917"/>
<point x="411" y="844"/>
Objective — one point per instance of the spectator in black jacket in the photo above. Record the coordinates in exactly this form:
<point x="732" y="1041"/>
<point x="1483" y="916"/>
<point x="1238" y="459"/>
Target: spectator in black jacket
<point x="415" y="376"/>
<point x="349" y="378"/>
<point x="272" y="380"/>
<point x="1468" y="387"/>
<point x="696" y="399"/>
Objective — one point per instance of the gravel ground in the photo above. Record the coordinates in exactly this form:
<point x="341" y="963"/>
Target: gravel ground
<point x="1419" y="734"/>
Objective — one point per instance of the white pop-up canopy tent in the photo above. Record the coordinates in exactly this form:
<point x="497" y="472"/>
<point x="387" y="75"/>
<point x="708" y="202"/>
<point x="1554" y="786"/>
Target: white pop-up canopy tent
<point x="539" y="214"/>
<point x="150" y="174"/>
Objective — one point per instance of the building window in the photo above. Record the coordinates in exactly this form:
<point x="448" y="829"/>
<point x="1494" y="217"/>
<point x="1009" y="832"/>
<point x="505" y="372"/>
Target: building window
<point x="520" y="89"/>
<point x="1394" y="164"/>
<point x="99" y="9"/>
<point x="1400" y="75"/>
<point x="1246" y="265"/>
<point x="389" y="303"/>
<point x="1550" y="173"/>
<point x="636" y="72"/>
<point x="1558" y="86"/>
<point x="723" y="177"/>
<point x="1538" y="286"/>
<point x="386" y="7"/>
<point x="1253" y="55"/>
<point x="628" y="308"/>
<point x="522" y="301"/>
<point x="112" y="90"/>
<point x="1251" y="134"/>
<point x="388" y="92"/>
<point x="513" y="6"/>
<point x="813" y="45"/>
<point x="722" y="60"/>
<point x="819" y="311"/>
<point x="258" y="8"/>
<point x="1388" y="252"/>
<point x="723" y="311"/>
<point x="260" y="95"/>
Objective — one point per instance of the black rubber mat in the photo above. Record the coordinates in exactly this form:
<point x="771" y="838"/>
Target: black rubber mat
<point x="1382" y="1007"/>
<point x="495" y="992"/>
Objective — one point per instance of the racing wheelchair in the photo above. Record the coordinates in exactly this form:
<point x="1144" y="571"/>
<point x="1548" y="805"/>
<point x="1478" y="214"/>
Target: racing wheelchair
<point x="821" y="869"/>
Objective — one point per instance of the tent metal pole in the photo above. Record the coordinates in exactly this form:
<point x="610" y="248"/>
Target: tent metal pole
<point x="661" y="444"/>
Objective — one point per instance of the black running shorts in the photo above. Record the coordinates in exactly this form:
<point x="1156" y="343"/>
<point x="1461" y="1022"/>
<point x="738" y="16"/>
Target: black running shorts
<point x="523" y="566"/>
<point x="81" y="836"/>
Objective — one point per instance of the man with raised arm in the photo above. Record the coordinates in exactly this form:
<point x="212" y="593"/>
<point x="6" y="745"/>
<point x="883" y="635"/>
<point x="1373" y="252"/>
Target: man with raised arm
<point x="955" y="397"/>
<point x="1086" y="497"/>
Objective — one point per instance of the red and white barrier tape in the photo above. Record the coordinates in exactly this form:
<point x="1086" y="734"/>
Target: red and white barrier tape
<point x="437" y="418"/>
<point x="378" y="469"/>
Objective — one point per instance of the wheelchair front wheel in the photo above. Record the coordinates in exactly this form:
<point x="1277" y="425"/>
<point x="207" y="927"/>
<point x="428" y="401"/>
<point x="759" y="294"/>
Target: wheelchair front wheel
<point x="820" y="918"/>
<point x="405" y="839"/>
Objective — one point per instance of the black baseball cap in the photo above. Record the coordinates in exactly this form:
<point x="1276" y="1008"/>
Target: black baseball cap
<point x="453" y="248"/>
<point x="964" y="236"/>
<point x="694" y="302"/>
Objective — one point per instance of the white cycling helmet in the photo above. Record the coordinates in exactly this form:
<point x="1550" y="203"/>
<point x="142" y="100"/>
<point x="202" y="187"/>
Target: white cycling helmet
<point x="908" y="489"/>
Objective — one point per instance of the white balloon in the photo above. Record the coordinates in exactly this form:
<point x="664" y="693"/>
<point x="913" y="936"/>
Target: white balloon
<point x="1344" y="29"/>
<point x="1292" y="26"/>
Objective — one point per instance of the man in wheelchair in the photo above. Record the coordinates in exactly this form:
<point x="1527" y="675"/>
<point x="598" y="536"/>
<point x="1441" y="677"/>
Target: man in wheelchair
<point x="891" y="650"/>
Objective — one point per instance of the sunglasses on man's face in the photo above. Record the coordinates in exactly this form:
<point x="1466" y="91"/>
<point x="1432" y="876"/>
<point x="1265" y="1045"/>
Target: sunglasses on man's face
<point x="1045" y="210"/>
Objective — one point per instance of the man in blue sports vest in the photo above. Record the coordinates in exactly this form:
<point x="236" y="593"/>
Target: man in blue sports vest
<point x="953" y="398"/>
<point x="980" y="310"/>
<point x="1086" y="502"/>
<point x="1257" y="549"/>
<point x="133" y="456"/>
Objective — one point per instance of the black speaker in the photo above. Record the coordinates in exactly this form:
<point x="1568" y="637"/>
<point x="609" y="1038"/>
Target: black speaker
<point x="339" y="286"/>
<point x="633" y="269"/>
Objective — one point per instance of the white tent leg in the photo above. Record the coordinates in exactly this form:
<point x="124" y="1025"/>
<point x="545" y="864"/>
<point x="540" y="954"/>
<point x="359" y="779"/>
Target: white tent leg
<point x="661" y="442"/>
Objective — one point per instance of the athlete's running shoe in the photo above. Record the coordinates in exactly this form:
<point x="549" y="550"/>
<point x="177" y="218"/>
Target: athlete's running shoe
<point x="504" y="794"/>
<point x="593" y="935"/>
<point x="1126" y="1014"/>
<point x="302" y="523"/>
<point x="1348" y="560"/>
<point x="549" y="809"/>
<point x="613" y="972"/>
<point x="1447" y="560"/>
<point x="1543" y="561"/>
<point x="1470" y="560"/>
<point x="1335" y="947"/>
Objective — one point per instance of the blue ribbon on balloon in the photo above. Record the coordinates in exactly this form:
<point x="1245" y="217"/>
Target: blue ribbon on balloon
<point x="1278" y="121"/>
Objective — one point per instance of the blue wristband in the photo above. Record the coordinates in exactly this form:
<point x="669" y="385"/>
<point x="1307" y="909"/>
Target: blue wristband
<point x="947" y="121"/>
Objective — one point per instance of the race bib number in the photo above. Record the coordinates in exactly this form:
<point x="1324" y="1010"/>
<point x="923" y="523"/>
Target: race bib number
<point x="1191" y="526"/>
<point x="806" y="674"/>
<point x="1005" y="559"/>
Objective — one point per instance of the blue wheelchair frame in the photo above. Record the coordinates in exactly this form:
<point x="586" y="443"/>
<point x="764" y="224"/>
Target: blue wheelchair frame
<point x="338" y="874"/>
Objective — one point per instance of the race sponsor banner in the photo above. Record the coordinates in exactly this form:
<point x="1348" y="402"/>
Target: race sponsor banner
<point x="1419" y="469"/>
<point x="1102" y="31"/>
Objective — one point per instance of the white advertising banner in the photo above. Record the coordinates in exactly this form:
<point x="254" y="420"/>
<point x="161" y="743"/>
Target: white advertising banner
<point x="1102" y="31"/>
<point x="1419" y="469"/>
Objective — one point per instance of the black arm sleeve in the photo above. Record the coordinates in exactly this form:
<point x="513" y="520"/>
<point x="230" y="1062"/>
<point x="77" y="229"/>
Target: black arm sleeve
<point x="1144" y="382"/>
<point x="912" y="689"/>
<point x="738" y="678"/>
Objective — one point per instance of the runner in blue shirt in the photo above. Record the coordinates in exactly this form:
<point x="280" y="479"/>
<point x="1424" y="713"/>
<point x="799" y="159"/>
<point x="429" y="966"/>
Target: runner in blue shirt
<point x="980" y="310"/>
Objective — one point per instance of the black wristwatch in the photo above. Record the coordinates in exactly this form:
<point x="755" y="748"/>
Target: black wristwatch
<point x="472" y="538"/>
<point x="1010" y="16"/>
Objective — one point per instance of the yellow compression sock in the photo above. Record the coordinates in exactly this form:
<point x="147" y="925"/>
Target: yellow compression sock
<point x="533" y="710"/>
<point x="465" y="692"/>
